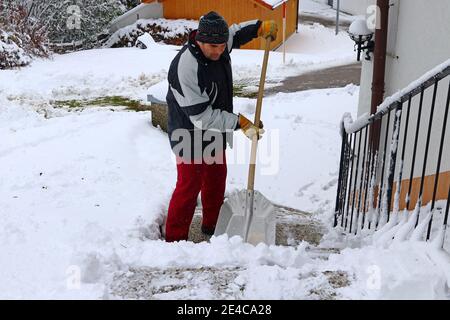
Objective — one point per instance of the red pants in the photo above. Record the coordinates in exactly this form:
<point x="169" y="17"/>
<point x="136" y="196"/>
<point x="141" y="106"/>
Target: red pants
<point x="210" y="179"/>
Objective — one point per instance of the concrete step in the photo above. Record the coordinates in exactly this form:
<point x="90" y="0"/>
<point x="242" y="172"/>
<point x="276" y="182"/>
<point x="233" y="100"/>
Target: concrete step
<point x="292" y="227"/>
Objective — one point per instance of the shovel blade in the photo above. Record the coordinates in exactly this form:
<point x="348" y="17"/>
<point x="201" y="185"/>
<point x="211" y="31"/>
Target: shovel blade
<point x="235" y="211"/>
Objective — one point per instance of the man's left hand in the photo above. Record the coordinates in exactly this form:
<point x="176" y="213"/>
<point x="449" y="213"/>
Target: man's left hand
<point x="268" y="29"/>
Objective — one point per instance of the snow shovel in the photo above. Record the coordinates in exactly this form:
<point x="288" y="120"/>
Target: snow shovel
<point x="248" y="213"/>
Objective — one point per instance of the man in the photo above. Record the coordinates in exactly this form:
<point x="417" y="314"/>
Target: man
<point x="201" y="119"/>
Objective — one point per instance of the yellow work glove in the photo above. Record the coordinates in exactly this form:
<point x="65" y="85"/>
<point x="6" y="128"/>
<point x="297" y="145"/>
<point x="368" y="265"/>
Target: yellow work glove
<point x="268" y="29"/>
<point x="249" y="128"/>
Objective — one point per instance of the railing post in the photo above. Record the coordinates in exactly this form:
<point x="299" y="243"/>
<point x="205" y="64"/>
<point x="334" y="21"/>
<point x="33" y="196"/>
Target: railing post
<point x="413" y="162"/>
<point x="427" y="146"/>
<point x="349" y="183"/>
<point x="402" y="161"/>
<point x="438" y="168"/>
<point x="381" y="188"/>
<point x="340" y="179"/>
<point x="368" y="176"/>
<point x="345" y="178"/>
<point x="356" y="181"/>
<point x="361" y="184"/>
<point x="446" y="215"/>
<point x="393" y="156"/>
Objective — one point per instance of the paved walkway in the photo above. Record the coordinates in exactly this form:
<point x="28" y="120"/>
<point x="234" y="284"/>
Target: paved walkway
<point x="335" y="77"/>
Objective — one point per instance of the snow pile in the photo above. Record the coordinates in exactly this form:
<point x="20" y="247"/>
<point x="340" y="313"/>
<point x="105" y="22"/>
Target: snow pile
<point x="403" y="271"/>
<point x="320" y="40"/>
<point x="90" y="170"/>
<point x="359" y="28"/>
<point x="13" y="118"/>
<point x="145" y="41"/>
<point x="173" y="32"/>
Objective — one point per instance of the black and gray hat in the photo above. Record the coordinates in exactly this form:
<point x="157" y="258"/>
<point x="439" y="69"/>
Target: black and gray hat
<point x="212" y="28"/>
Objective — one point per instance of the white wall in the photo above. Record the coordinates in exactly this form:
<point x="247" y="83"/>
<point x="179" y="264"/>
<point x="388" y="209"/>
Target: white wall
<point x="143" y="11"/>
<point x="421" y="43"/>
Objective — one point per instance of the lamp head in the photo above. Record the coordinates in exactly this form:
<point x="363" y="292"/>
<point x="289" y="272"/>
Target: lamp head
<point x="362" y="36"/>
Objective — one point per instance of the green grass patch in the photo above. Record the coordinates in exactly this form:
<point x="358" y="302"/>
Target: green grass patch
<point x="241" y="90"/>
<point x="109" y="101"/>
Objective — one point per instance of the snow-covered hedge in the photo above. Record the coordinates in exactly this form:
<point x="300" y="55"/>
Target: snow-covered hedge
<point x="21" y="36"/>
<point x="66" y="21"/>
<point x="173" y="32"/>
<point x="11" y="53"/>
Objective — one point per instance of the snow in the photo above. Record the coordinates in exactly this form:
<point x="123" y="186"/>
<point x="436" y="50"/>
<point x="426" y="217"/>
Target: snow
<point x="78" y="179"/>
<point x="294" y="123"/>
<point x="169" y="28"/>
<point x="106" y="187"/>
<point x="147" y="40"/>
<point x="322" y="9"/>
<point x="354" y="126"/>
<point x="359" y="28"/>
<point x="319" y="40"/>
<point x="10" y="53"/>
<point x="274" y="3"/>
<point x="132" y="71"/>
<point x="83" y="193"/>
<point x="403" y="272"/>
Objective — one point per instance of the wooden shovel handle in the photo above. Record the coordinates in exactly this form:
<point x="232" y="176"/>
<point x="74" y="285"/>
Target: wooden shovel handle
<point x="252" y="169"/>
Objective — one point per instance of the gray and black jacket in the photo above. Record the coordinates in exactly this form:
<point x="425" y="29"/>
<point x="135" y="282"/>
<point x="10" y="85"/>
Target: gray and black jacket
<point x="200" y="95"/>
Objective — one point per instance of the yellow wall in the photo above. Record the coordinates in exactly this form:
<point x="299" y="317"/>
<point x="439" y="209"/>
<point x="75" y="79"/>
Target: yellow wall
<point x="234" y="11"/>
<point x="427" y="196"/>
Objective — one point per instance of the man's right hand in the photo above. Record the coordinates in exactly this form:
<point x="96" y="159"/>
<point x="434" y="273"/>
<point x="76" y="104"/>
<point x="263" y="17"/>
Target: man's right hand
<point x="249" y="128"/>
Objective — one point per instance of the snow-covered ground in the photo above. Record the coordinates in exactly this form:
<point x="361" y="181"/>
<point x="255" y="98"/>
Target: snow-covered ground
<point x="130" y="71"/>
<point x="317" y="39"/>
<point x="82" y="193"/>
<point x="322" y="9"/>
<point x="95" y="180"/>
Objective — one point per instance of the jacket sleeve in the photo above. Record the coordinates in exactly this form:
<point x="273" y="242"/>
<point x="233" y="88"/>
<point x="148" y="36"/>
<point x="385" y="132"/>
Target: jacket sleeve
<point x="197" y="103"/>
<point x="242" y="33"/>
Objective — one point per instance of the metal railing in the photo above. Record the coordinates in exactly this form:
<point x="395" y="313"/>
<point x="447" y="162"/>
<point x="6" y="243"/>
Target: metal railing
<point x="372" y="166"/>
<point x="65" y="47"/>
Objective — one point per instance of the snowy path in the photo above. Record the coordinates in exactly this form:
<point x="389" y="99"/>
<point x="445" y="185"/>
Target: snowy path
<point x="91" y="187"/>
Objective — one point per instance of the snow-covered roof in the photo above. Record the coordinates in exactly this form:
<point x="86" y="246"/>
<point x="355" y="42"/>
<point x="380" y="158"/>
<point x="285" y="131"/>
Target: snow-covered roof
<point x="272" y="3"/>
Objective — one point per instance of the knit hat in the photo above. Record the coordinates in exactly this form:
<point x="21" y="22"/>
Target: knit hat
<point x="212" y="29"/>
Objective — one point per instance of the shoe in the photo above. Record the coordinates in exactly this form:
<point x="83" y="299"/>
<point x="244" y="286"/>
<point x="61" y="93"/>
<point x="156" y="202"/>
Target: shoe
<point x="208" y="230"/>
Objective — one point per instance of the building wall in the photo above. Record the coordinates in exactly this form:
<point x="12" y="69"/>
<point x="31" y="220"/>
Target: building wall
<point x="416" y="45"/>
<point x="234" y="11"/>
